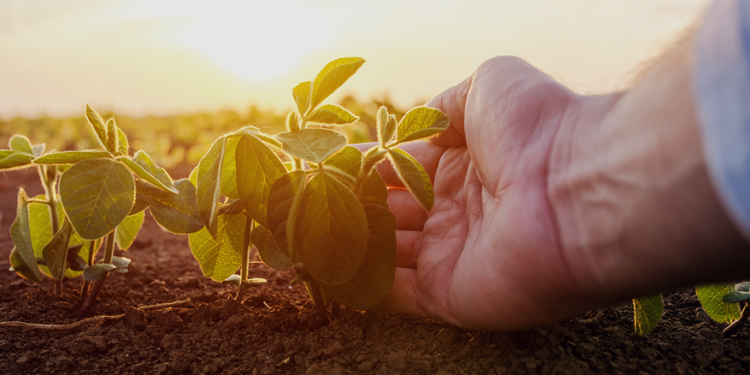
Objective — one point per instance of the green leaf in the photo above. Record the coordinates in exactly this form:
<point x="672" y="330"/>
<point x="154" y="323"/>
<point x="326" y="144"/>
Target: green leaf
<point x="229" y="169"/>
<point x="128" y="230"/>
<point x="331" y="231"/>
<point x="208" y="187"/>
<point x="40" y="223"/>
<point x="414" y="177"/>
<point x="292" y="122"/>
<point x="734" y="297"/>
<point x="38" y="149"/>
<point x="55" y="253"/>
<point x="269" y="251"/>
<point x="348" y="160"/>
<point x="97" y="195"/>
<point x="233" y="207"/>
<point x="301" y="94"/>
<point x="386" y="125"/>
<point x="222" y="256"/>
<point x="421" y="122"/>
<point x="71" y="157"/>
<point x="20" y="143"/>
<point x="711" y="298"/>
<point x="743" y="287"/>
<point x="19" y="266"/>
<point x="144" y="167"/>
<point x="280" y="203"/>
<point x="95" y="272"/>
<point x="333" y="75"/>
<point x="123" y="147"/>
<point x="97" y="125"/>
<point x="258" y="168"/>
<point x="177" y="213"/>
<point x="17" y="160"/>
<point x="647" y="311"/>
<point x="120" y="263"/>
<point x="374" y="278"/>
<point x="112" y="141"/>
<point x="332" y="114"/>
<point x="313" y="145"/>
<point x="20" y="232"/>
<point x="374" y="191"/>
<point x="141" y="203"/>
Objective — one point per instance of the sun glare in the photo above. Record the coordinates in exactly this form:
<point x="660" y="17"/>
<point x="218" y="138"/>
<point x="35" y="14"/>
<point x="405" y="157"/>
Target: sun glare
<point x="253" y="40"/>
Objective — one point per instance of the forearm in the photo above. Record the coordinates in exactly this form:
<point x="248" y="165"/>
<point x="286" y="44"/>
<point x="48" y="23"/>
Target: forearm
<point x="632" y="194"/>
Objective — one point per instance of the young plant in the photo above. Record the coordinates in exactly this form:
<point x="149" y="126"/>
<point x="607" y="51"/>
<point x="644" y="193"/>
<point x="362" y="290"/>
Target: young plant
<point x="720" y="301"/>
<point x="325" y="211"/>
<point x="101" y="201"/>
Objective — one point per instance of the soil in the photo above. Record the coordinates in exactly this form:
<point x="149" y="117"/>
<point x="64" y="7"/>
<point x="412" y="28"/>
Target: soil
<point x="276" y="329"/>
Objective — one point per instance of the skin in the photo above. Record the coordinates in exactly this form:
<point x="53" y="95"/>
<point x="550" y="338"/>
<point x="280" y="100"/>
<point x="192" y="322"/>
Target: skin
<point x="549" y="204"/>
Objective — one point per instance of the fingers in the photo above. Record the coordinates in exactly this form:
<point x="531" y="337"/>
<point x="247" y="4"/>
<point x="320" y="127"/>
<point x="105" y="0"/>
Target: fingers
<point x="453" y="103"/>
<point x="402" y="299"/>
<point x="410" y="215"/>
<point x="408" y="243"/>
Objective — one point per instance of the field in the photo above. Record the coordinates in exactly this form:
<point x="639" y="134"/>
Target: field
<point x="276" y="328"/>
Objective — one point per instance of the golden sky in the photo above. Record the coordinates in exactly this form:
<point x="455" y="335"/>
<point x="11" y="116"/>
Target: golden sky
<point x="143" y="57"/>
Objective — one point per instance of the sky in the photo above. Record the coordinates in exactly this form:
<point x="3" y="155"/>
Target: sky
<point x="160" y="57"/>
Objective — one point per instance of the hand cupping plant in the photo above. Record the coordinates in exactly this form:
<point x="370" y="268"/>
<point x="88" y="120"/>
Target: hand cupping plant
<point x="97" y="199"/>
<point x="322" y="209"/>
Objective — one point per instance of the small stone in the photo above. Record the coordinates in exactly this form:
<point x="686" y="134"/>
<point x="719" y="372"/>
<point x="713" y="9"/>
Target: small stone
<point x="446" y="335"/>
<point x="135" y="319"/>
<point x="98" y="342"/>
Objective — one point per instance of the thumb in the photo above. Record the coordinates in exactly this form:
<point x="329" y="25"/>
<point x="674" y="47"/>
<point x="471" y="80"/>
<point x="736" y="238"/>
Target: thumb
<point x="452" y="102"/>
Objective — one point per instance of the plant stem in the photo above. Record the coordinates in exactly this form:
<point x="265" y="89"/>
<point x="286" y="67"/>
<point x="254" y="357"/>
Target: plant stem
<point x="319" y="299"/>
<point x="739" y="323"/>
<point x="109" y="252"/>
<point x="244" y="269"/>
<point x="297" y="164"/>
<point x="89" y="262"/>
<point x="49" y="191"/>
<point x="335" y="310"/>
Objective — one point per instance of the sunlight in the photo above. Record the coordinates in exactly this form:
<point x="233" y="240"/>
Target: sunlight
<point x="254" y="40"/>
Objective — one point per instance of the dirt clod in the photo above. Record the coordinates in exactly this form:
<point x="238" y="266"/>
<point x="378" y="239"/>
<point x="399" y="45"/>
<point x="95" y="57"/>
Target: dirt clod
<point x="135" y="319"/>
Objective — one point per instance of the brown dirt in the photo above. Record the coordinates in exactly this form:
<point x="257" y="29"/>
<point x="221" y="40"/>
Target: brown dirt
<point x="277" y="330"/>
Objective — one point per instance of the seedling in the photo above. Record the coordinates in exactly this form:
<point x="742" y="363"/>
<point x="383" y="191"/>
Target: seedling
<point x="101" y="201"/>
<point x="323" y="212"/>
<point x="720" y="301"/>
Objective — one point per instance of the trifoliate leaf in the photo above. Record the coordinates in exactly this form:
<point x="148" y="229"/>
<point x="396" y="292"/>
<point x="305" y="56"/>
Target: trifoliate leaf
<point x="372" y="157"/>
<point x="711" y="298"/>
<point x="208" y="187"/>
<point x="229" y="169"/>
<point x="112" y="138"/>
<point x="154" y="171"/>
<point x="331" y="77"/>
<point x="374" y="278"/>
<point x="97" y="195"/>
<point x="421" y="122"/>
<point x="128" y="230"/>
<point x="331" y="231"/>
<point x="55" y="252"/>
<point x="332" y="114"/>
<point x="647" y="313"/>
<point x="72" y="157"/>
<point x="96" y="271"/>
<point x="20" y="232"/>
<point x="292" y="122"/>
<point x="98" y="126"/>
<point x="221" y="255"/>
<point x="301" y="94"/>
<point x="268" y="250"/>
<point x="313" y="145"/>
<point x="258" y="168"/>
<point x="123" y="147"/>
<point x="348" y="160"/>
<point x="20" y="143"/>
<point x="177" y="213"/>
<point x="16" y="160"/>
<point x="386" y="125"/>
<point x="414" y="176"/>
<point x="38" y="149"/>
